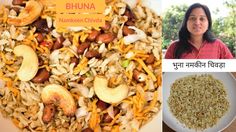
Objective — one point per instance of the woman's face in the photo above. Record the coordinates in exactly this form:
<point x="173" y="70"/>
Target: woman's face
<point x="197" y="23"/>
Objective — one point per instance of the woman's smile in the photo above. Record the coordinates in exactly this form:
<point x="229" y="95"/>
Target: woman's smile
<point x="197" y="23"/>
<point x="197" y="29"/>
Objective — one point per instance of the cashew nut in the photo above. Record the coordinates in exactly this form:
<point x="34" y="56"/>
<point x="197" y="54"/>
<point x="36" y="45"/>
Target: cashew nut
<point x="109" y="95"/>
<point x="29" y="66"/>
<point x="57" y="94"/>
<point x="28" y="15"/>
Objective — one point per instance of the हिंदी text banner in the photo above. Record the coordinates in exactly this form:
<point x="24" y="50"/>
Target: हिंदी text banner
<point x="199" y="65"/>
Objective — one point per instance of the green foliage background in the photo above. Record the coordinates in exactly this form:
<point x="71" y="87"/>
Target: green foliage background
<point x="224" y="28"/>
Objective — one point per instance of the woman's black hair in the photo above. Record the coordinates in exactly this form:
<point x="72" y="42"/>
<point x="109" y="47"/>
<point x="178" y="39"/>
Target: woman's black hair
<point x="183" y="45"/>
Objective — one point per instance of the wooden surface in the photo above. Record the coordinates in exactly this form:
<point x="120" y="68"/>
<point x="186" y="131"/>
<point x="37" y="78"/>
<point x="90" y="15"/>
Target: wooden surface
<point x="231" y="128"/>
<point x="166" y="128"/>
<point x="234" y="74"/>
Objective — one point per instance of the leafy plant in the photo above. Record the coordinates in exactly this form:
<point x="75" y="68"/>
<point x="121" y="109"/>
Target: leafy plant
<point x="171" y="23"/>
<point x="225" y="27"/>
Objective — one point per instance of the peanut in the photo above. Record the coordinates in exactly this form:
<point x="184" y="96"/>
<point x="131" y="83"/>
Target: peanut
<point x="129" y="23"/>
<point x="41" y="76"/>
<point x="92" y="36"/>
<point x="150" y="59"/>
<point x="87" y="130"/>
<point x="92" y="53"/>
<point x="58" y="43"/>
<point x="102" y="105"/>
<point x="129" y="14"/>
<point x="127" y="31"/>
<point x="41" y="26"/>
<point x="18" y="2"/>
<point x="106" y="38"/>
<point x="107" y="119"/>
<point x="106" y="27"/>
<point x="74" y="60"/>
<point x="48" y="112"/>
<point x="82" y="47"/>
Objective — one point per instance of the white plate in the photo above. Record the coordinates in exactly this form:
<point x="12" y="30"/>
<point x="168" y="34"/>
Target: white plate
<point x="230" y="85"/>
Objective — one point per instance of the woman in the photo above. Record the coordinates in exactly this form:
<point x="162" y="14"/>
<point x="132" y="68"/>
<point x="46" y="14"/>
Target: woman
<point x="196" y="40"/>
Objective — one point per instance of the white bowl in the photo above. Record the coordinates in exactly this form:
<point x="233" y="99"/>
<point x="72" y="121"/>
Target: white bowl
<point x="230" y="85"/>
